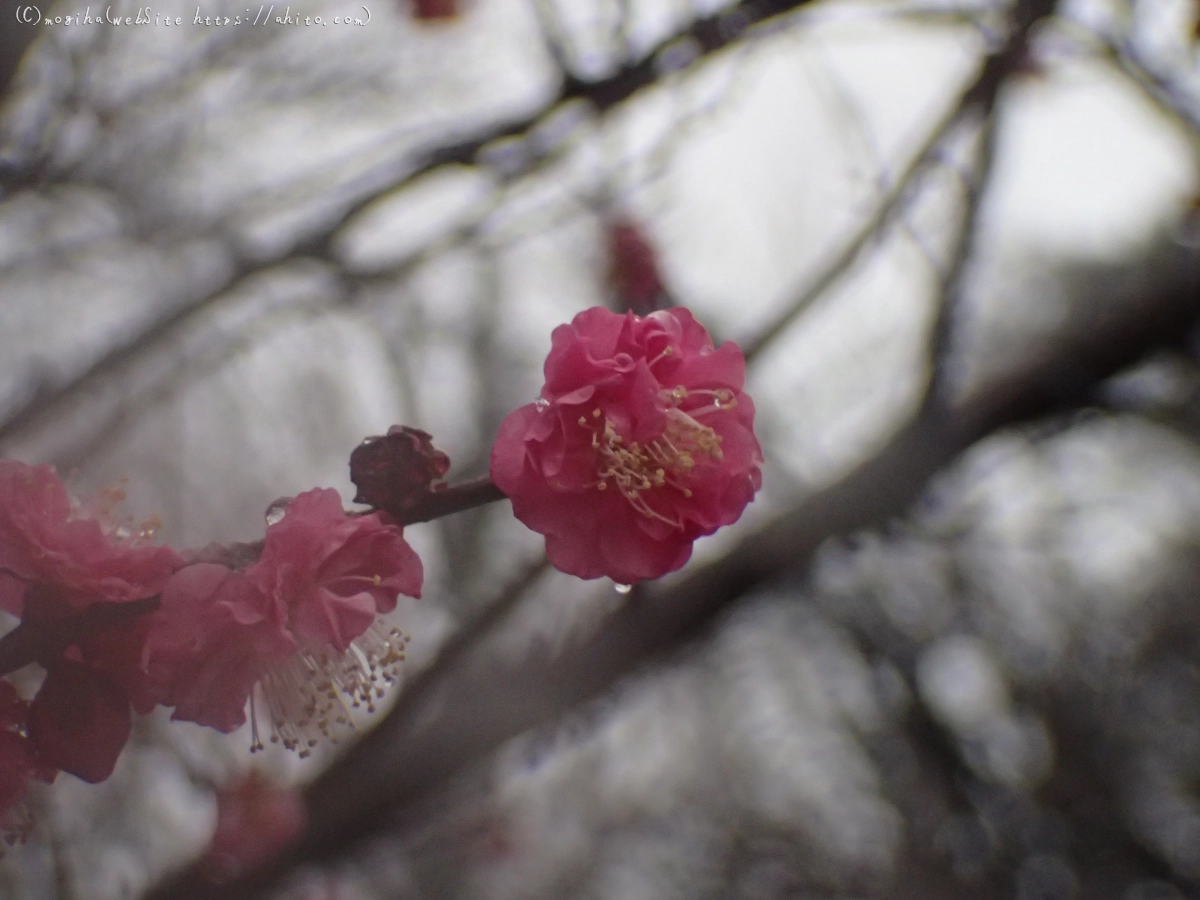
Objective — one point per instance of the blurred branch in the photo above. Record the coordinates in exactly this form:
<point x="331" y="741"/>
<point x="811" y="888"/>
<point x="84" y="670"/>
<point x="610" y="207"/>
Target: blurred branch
<point x="866" y="233"/>
<point x="552" y="36"/>
<point x="1091" y="767"/>
<point x="15" y="39"/>
<point x="967" y="238"/>
<point x="707" y="35"/>
<point x="978" y="98"/>
<point x="476" y="705"/>
<point x="1160" y="90"/>
<point x="60" y="859"/>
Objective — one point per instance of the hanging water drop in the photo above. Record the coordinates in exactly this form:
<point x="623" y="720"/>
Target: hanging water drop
<point x="624" y="588"/>
<point x="276" y="510"/>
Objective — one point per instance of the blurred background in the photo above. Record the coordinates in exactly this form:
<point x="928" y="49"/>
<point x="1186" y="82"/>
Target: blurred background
<point x="952" y="648"/>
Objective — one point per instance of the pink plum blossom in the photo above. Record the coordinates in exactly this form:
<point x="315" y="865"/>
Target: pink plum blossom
<point x="57" y="559"/>
<point x="641" y="442"/>
<point x="300" y="624"/>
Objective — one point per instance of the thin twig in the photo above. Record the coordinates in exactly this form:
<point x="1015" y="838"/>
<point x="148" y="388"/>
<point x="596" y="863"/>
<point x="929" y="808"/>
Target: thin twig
<point x="864" y="235"/>
<point x="979" y="96"/>
<point x="1160" y="90"/>
<point x="951" y="279"/>
<point x="454" y="499"/>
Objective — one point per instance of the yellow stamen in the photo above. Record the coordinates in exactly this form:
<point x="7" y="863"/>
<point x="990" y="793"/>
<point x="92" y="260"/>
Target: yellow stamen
<point x="310" y="696"/>
<point x="634" y="468"/>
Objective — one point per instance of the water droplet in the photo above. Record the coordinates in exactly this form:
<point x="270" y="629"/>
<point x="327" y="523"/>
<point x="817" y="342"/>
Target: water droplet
<point x="541" y="403"/>
<point x="624" y="588"/>
<point x="277" y="509"/>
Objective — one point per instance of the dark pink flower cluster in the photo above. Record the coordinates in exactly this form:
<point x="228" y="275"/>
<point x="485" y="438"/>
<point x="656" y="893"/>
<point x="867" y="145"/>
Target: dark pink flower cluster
<point x="641" y="442"/>
<point x="54" y="564"/>
<point x="43" y="541"/>
<point x="298" y="622"/>
<point x="286" y="624"/>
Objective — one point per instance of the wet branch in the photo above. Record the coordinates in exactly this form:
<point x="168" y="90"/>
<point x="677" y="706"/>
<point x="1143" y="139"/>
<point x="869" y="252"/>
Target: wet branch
<point x="456" y="724"/>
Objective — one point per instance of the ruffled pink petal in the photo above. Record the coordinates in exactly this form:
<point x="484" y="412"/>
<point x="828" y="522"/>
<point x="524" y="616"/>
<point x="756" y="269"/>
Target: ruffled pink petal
<point x="209" y="643"/>
<point x="328" y="574"/>
<point x="643" y="441"/>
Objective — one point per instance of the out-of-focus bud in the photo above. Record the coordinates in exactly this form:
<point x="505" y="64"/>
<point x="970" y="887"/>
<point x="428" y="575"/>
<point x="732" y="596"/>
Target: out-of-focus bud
<point x="633" y="273"/>
<point x="427" y="10"/>
<point x="256" y="821"/>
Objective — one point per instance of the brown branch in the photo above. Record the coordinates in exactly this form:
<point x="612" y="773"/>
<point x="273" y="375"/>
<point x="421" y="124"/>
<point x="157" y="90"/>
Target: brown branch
<point x="453" y="499"/>
<point x="478" y="705"/>
<point x="951" y="281"/>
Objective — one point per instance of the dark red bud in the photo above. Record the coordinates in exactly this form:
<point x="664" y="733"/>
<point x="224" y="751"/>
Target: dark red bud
<point x="397" y="470"/>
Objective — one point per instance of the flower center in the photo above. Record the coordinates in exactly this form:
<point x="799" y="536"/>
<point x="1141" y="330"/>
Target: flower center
<point x="310" y="696"/>
<point x="104" y="507"/>
<point x="666" y="461"/>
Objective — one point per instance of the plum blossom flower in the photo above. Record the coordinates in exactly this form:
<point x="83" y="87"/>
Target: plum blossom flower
<point x="641" y="442"/>
<point x="300" y="625"/>
<point x="58" y="558"/>
<point x="44" y="538"/>
<point x="209" y="644"/>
